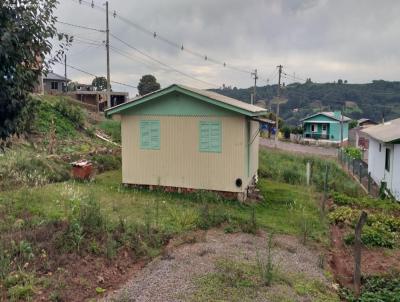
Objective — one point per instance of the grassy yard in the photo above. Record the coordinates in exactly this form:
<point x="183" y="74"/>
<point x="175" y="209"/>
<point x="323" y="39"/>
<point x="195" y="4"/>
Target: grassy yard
<point x="103" y="220"/>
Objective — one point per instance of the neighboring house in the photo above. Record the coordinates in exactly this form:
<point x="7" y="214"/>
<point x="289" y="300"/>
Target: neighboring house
<point x="54" y="83"/>
<point x="356" y="137"/>
<point x="326" y="127"/>
<point x="98" y="99"/>
<point x="384" y="155"/>
<point x="184" y="138"/>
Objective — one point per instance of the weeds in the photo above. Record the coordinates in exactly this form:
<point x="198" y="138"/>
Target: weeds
<point x="266" y="267"/>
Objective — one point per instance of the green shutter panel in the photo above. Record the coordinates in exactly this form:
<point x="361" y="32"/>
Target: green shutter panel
<point x="150" y="135"/>
<point x="210" y="136"/>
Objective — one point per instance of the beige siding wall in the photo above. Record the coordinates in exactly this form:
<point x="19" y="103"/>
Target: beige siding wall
<point x="254" y="134"/>
<point x="179" y="163"/>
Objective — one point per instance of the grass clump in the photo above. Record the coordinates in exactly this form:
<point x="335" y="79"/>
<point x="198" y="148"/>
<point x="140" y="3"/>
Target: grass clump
<point x="112" y="128"/>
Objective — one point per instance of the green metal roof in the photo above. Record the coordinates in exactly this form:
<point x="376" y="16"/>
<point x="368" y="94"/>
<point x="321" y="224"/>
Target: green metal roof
<point x="202" y="95"/>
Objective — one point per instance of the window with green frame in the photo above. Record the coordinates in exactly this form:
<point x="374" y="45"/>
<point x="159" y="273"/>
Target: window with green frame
<point x="210" y="138"/>
<point x="150" y="134"/>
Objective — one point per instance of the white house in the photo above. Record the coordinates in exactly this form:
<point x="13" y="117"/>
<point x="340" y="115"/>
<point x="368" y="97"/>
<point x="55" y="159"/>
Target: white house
<point x="384" y="155"/>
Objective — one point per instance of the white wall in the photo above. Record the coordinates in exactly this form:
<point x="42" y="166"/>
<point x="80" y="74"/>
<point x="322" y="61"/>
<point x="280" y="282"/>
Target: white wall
<point x="376" y="161"/>
<point x="376" y="165"/>
<point x="396" y="172"/>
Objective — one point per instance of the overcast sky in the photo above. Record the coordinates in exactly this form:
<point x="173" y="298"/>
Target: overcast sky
<point x="355" y="40"/>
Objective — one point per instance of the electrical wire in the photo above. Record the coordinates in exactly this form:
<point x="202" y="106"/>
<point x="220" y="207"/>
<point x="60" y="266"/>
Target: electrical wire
<point x="164" y="39"/>
<point x="160" y="62"/>
<point x="93" y="75"/>
<point x="81" y="26"/>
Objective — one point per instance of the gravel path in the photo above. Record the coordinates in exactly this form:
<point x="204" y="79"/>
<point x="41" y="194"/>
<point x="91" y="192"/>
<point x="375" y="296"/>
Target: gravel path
<point x="298" y="148"/>
<point x="170" y="277"/>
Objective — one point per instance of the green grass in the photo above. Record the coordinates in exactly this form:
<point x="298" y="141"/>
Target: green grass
<point x="240" y="281"/>
<point x="291" y="168"/>
<point x="112" y="128"/>
<point x="283" y="210"/>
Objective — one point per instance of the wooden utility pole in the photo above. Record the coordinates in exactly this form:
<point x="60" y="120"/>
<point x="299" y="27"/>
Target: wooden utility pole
<point x="253" y="100"/>
<point x="108" y="59"/>
<point x="65" y="73"/>
<point x="357" y="253"/>
<point x="277" y="106"/>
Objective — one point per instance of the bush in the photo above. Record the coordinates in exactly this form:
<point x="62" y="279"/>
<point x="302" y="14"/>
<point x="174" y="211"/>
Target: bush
<point x="344" y="215"/>
<point x="375" y="235"/>
<point x="353" y="152"/>
<point x="107" y="162"/>
<point x="72" y="112"/>
<point x="112" y="128"/>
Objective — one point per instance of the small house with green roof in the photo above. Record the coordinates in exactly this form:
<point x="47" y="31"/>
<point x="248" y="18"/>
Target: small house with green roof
<point x="184" y="139"/>
<point x="326" y="127"/>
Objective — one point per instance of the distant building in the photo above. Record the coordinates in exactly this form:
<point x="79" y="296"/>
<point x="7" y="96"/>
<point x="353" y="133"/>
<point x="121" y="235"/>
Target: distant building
<point x="54" y="83"/>
<point x="357" y="138"/>
<point x="97" y="100"/>
<point x="185" y="139"/>
<point x="384" y="155"/>
<point x="326" y="127"/>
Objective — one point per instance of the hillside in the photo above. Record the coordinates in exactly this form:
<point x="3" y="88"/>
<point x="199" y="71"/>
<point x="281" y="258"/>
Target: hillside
<point x="370" y="100"/>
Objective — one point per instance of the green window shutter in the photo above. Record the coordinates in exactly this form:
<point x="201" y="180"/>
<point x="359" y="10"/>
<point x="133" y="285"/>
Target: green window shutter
<point x="210" y="136"/>
<point x="150" y="135"/>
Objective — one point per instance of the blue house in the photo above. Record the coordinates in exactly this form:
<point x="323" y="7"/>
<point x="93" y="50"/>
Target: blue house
<point x="326" y="126"/>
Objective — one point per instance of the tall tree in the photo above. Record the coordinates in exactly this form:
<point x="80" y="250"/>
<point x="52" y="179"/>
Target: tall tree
<point x="100" y="83"/>
<point x="148" y="83"/>
<point x="25" y="30"/>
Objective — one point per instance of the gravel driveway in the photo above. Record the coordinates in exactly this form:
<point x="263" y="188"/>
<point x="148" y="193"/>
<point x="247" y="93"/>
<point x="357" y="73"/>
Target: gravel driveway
<point x="170" y="277"/>
<point x="298" y="148"/>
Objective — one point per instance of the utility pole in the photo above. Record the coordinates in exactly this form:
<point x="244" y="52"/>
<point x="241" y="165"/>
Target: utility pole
<point x="277" y="106"/>
<point x="65" y="73"/>
<point x="108" y="59"/>
<point x="255" y="86"/>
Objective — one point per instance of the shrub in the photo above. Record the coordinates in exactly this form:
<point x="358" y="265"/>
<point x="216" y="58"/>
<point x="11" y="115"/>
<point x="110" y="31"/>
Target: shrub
<point x="112" y="128"/>
<point x="107" y="162"/>
<point x="345" y="215"/>
<point x="266" y="267"/>
<point x="72" y="112"/>
<point x="353" y="152"/>
<point x="375" y="235"/>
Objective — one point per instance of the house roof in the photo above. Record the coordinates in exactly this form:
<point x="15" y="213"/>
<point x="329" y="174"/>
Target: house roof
<point x="387" y="132"/>
<point x="363" y="120"/>
<point x="329" y="114"/>
<point x="203" y="95"/>
<point x="54" y="77"/>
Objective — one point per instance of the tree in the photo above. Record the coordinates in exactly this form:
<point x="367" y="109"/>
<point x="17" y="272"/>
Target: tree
<point x="72" y="86"/>
<point x="100" y="83"/>
<point x="148" y="83"/>
<point x="25" y="30"/>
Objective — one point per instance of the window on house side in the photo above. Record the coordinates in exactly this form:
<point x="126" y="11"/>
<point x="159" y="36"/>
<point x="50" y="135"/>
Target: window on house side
<point x="54" y="85"/>
<point x="150" y="135"/>
<point x="324" y="127"/>
<point x="380" y="147"/>
<point x="387" y="160"/>
<point x="210" y="138"/>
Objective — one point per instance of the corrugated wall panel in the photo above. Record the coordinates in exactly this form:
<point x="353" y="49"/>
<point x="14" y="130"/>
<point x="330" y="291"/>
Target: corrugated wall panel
<point x="179" y="162"/>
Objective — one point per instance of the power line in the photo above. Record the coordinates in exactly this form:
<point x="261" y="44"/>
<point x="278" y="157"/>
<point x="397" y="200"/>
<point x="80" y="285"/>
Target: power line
<point x="81" y="26"/>
<point x="160" y="37"/>
<point x="160" y="62"/>
<point x="93" y="75"/>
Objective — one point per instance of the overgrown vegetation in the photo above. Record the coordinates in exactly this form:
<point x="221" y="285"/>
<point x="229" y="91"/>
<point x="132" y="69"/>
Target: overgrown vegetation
<point x="112" y="128"/>
<point x="353" y="152"/>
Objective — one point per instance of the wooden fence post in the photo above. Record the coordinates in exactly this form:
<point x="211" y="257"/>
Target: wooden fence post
<point x="308" y="172"/>
<point x="357" y="253"/>
<point x="360" y="172"/>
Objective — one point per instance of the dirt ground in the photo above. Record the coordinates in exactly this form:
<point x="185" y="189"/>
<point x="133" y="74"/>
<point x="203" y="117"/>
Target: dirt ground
<point x="298" y="148"/>
<point x="374" y="261"/>
<point x="171" y="276"/>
